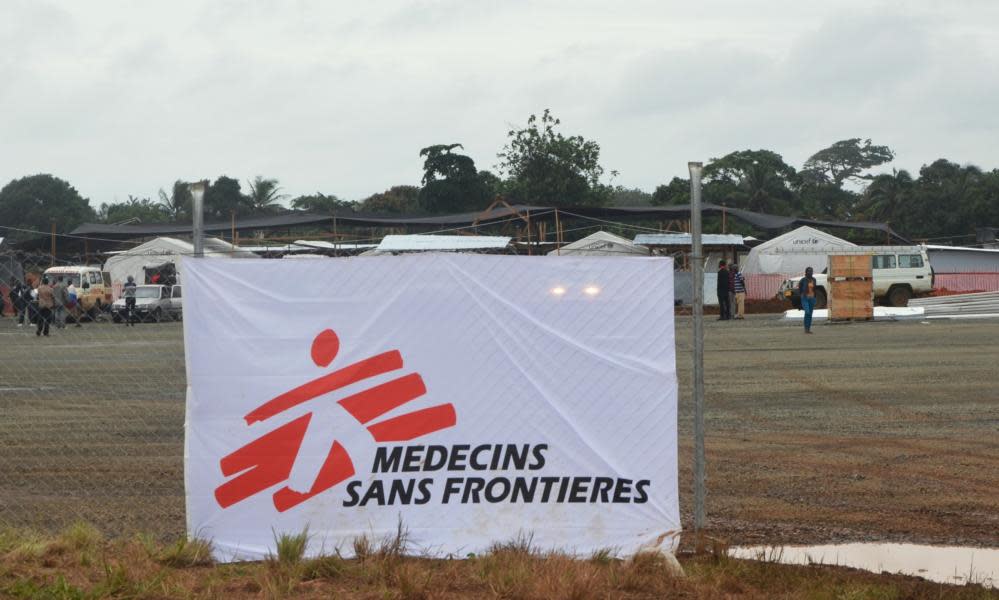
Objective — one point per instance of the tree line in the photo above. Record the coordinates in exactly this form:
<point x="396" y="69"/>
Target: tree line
<point x="540" y="165"/>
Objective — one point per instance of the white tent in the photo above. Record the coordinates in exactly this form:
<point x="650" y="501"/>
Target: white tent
<point x="790" y="253"/>
<point x="601" y="243"/>
<point x="396" y="244"/>
<point x="161" y="251"/>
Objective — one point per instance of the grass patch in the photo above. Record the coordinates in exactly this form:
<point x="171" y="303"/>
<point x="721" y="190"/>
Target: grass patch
<point x="31" y="567"/>
<point x="291" y="547"/>
<point x="81" y="536"/>
<point x="186" y="553"/>
<point x="324" y="567"/>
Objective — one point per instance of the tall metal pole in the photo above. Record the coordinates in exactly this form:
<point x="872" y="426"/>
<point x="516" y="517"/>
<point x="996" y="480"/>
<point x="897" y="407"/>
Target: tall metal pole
<point x="697" y="261"/>
<point x="198" y="210"/>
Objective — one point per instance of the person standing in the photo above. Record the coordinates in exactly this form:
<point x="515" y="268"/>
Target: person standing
<point x="739" y="289"/>
<point x="731" y="290"/>
<point x="724" y="310"/>
<point x="806" y="291"/>
<point x="59" y="310"/>
<point x="17" y="300"/>
<point x="31" y="300"/>
<point x="72" y="302"/>
<point x="46" y="302"/>
<point x="128" y="291"/>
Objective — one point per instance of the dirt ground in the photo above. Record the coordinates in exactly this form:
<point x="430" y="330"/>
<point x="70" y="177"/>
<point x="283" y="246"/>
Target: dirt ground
<point x="861" y="431"/>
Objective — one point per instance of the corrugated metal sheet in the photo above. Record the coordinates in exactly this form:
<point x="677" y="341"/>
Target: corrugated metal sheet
<point x="283" y="248"/>
<point x="683" y="239"/>
<point x="958" y="259"/>
<point x="313" y="244"/>
<point x="422" y="243"/>
<point x="961" y="305"/>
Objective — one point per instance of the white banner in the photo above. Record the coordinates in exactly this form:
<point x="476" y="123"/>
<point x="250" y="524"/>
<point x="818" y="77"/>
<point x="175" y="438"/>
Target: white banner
<point x="473" y="398"/>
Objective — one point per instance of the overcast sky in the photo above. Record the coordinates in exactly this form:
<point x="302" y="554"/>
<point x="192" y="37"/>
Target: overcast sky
<point x="124" y="97"/>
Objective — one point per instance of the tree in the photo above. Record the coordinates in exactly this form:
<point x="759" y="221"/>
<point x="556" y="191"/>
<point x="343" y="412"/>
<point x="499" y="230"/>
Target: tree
<point x="321" y="203"/>
<point x="451" y="182"/>
<point x="825" y="201"/>
<point x="33" y="203"/>
<point x="178" y="204"/>
<point x="622" y="196"/>
<point x="223" y="197"/>
<point x="944" y="200"/>
<point x="757" y="180"/>
<point x="845" y="160"/>
<point x="544" y="167"/>
<point x="264" y="195"/>
<point x="886" y="196"/>
<point x="677" y="191"/>
<point x="494" y="185"/>
<point x="134" y="210"/>
<point x="399" y="199"/>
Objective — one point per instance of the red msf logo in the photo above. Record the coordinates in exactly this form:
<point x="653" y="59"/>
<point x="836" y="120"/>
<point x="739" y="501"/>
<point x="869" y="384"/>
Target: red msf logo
<point x="268" y="460"/>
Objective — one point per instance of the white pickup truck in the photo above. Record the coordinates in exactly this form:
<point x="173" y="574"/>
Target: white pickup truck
<point x="898" y="273"/>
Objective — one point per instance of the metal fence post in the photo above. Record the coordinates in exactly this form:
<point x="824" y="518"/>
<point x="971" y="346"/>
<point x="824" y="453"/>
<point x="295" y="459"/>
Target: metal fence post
<point x="198" y="217"/>
<point x="697" y="260"/>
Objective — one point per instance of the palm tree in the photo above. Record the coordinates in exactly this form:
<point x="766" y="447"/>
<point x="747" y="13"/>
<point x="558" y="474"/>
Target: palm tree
<point x="178" y="204"/>
<point x="886" y="194"/>
<point x="264" y="194"/>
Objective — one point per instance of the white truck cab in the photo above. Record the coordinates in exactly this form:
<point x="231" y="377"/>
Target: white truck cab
<point x="898" y="274"/>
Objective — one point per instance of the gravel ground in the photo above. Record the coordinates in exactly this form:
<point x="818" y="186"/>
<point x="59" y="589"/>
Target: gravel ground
<point x="862" y="431"/>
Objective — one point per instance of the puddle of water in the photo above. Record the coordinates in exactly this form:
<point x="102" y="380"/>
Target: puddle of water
<point x="944" y="564"/>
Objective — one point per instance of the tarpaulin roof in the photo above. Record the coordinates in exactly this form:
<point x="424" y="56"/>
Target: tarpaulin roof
<point x="758" y="220"/>
<point x="407" y="243"/>
<point x="683" y="239"/>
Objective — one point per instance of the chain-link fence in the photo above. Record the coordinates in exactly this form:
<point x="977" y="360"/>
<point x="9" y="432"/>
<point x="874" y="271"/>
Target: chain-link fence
<point x="92" y="425"/>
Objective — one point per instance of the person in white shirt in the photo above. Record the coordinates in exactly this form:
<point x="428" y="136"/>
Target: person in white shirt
<point x="72" y="303"/>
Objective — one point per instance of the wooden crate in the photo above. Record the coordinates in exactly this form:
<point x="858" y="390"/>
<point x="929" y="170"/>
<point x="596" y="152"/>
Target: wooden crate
<point x="851" y="287"/>
<point x="851" y="299"/>
<point x="850" y="265"/>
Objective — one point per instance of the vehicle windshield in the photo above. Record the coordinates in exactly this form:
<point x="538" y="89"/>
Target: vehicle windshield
<point x="147" y="291"/>
<point x="67" y="278"/>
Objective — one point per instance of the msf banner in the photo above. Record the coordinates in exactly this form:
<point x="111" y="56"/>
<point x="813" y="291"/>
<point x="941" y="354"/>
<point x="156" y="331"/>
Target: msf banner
<point x="471" y="398"/>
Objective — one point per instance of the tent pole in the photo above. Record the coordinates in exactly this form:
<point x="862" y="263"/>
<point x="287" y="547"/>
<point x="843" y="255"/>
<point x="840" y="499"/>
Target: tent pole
<point x="558" y="235"/>
<point x="529" y="253"/>
<point x="198" y="217"/>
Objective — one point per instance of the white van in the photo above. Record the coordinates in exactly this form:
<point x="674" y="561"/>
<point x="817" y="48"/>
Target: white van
<point x="93" y="286"/>
<point x="898" y="274"/>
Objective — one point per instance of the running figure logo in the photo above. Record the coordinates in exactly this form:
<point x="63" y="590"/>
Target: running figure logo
<point x="268" y="460"/>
